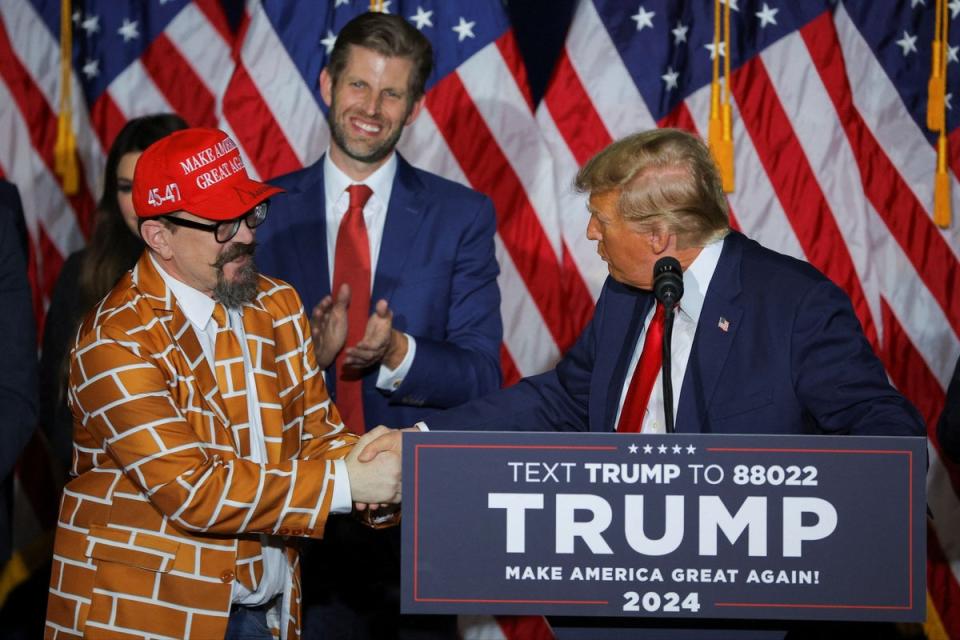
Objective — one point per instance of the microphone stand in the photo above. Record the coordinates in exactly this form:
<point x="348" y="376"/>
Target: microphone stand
<point x="668" y="289"/>
<point x="669" y="312"/>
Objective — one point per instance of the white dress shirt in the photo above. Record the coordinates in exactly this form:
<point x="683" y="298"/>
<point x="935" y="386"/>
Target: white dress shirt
<point x="696" y="280"/>
<point x="198" y="309"/>
<point x="335" y="184"/>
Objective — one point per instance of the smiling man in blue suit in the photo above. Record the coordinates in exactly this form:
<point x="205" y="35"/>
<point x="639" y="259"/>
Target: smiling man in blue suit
<point x="762" y="343"/>
<point x="399" y="268"/>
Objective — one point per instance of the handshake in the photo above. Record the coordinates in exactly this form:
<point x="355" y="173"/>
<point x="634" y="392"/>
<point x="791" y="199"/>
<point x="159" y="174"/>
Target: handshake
<point x="374" y="468"/>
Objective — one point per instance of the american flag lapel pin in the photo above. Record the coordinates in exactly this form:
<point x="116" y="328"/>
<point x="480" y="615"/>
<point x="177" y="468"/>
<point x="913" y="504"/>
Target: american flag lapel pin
<point x="724" y="324"/>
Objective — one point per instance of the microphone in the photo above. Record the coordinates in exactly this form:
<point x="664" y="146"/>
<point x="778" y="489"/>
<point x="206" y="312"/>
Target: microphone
<point x="668" y="282"/>
<point x="667" y="289"/>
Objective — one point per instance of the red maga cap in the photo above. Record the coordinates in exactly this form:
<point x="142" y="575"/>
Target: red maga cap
<point x="199" y="171"/>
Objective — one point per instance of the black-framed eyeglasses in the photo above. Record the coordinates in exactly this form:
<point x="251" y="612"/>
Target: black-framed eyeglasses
<point x="225" y="230"/>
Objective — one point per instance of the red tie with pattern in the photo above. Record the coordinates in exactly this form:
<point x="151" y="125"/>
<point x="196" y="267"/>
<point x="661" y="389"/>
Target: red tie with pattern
<point x="351" y="265"/>
<point x="644" y="376"/>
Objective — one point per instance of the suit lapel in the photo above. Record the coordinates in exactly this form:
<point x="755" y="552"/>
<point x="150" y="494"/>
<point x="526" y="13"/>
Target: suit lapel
<point x="619" y="336"/>
<point x="185" y="338"/>
<point x="720" y="319"/>
<point x="310" y="222"/>
<point x="404" y="216"/>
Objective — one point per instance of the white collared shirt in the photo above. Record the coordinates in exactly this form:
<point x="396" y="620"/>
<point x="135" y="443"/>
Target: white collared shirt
<point x="198" y="309"/>
<point x="335" y="183"/>
<point x="696" y="280"/>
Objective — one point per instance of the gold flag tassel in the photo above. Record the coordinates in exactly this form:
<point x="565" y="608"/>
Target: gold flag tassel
<point x="65" y="148"/>
<point x="941" y="186"/>
<point x="376" y="6"/>
<point x="720" y="131"/>
<point x="937" y="85"/>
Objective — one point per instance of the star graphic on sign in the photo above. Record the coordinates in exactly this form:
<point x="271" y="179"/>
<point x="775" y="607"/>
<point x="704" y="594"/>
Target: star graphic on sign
<point x="677" y="448"/>
<point x="647" y="448"/>
<point x="723" y="49"/>
<point x="464" y="29"/>
<point x="767" y="16"/>
<point x="633" y="448"/>
<point x="329" y="41"/>
<point x="91" y="69"/>
<point x="670" y="77"/>
<point x="952" y="54"/>
<point x="691" y="449"/>
<point x="422" y="18"/>
<point x="908" y="43"/>
<point x="644" y="18"/>
<point x="129" y="30"/>
<point x="91" y="25"/>
<point x="680" y="32"/>
<point x="662" y="448"/>
<point x="954" y="8"/>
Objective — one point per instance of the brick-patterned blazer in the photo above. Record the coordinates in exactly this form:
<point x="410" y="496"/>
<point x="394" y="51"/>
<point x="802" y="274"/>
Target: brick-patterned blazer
<point x="164" y="513"/>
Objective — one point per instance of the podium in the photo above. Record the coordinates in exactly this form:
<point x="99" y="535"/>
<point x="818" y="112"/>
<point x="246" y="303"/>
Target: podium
<point x="684" y="526"/>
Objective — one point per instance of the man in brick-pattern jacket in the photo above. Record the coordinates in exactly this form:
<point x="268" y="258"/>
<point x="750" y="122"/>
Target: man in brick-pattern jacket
<point x="195" y="472"/>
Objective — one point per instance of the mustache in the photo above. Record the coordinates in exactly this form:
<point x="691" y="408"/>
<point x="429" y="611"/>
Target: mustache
<point x="236" y="250"/>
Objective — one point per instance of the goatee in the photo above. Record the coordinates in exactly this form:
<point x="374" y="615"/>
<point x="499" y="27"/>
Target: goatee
<point x="243" y="288"/>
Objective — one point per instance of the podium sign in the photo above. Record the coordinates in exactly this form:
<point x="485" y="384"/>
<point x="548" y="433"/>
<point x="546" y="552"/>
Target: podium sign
<point x="701" y="526"/>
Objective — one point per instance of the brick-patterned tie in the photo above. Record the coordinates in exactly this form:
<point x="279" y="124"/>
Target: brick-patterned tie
<point x="351" y="265"/>
<point x="644" y="376"/>
<point x="231" y="377"/>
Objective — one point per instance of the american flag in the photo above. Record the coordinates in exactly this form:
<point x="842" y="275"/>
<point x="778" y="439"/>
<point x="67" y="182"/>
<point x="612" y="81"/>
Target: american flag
<point x="833" y="161"/>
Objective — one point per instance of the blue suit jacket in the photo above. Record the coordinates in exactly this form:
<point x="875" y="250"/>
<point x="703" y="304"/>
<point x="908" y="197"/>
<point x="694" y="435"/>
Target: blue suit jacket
<point x="793" y="360"/>
<point x="436" y="268"/>
<point x="18" y="344"/>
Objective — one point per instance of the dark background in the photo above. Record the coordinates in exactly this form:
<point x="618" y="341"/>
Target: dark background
<point x="540" y="27"/>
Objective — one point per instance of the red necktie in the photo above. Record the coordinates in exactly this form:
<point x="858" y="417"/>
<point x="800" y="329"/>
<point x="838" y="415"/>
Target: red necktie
<point x="351" y="265"/>
<point x="644" y="376"/>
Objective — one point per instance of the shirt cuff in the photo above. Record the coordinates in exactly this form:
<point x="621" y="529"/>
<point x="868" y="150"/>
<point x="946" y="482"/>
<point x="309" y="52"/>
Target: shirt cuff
<point x="390" y="379"/>
<point x="341" y="501"/>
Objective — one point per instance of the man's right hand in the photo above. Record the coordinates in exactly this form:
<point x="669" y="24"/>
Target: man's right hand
<point x="376" y="481"/>
<point x="328" y="326"/>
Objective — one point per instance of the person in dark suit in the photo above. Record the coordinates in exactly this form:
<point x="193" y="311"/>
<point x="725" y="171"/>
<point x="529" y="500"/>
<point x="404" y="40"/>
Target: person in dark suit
<point x="399" y="267"/>
<point x="763" y="343"/>
<point x="18" y="344"/>
<point x="948" y="427"/>
<point x="21" y="613"/>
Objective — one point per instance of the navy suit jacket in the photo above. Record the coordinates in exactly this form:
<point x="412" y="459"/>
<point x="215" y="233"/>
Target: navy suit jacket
<point x="948" y="427"/>
<point x="792" y="360"/>
<point x="436" y="268"/>
<point x="18" y="344"/>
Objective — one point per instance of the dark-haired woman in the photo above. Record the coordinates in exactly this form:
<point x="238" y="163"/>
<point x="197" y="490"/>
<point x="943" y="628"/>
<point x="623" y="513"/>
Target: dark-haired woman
<point x="90" y="273"/>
